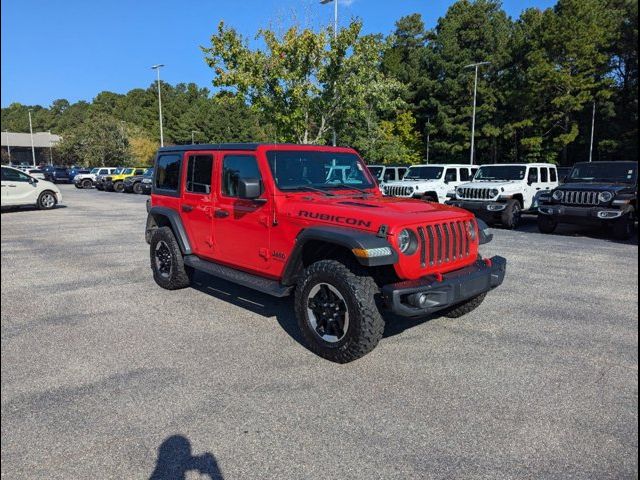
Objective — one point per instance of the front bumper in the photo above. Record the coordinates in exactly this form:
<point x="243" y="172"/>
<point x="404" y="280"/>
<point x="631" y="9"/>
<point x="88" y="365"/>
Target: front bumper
<point x="146" y="188"/>
<point x="480" y="209"/>
<point x="583" y="215"/>
<point x="107" y="185"/>
<point x="403" y="298"/>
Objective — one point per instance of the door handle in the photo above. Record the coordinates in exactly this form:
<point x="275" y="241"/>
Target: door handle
<point x="187" y="208"/>
<point x="220" y="213"/>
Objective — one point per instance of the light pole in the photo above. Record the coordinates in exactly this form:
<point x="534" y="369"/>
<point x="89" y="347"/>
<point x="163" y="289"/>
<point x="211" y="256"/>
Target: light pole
<point x="50" y="150"/>
<point x="428" y="136"/>
<point x="593" y="123"/>
<point x="335" y="37"/>
<point x="157" y="69"/>
<point x="33" y="149"/>
<point x="8" y="146"/>
<point x="473" y="119"/>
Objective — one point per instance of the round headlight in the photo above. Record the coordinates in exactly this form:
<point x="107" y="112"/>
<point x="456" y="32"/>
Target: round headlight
<point x="404" y="240"/>
<point x="411" y="189"/>
<point x="557" y="195"/>
<point x="459" y="191"/>
<point x="471" y="230"/>
<point x="494" y="192"/>
<point x="605" y="197"/>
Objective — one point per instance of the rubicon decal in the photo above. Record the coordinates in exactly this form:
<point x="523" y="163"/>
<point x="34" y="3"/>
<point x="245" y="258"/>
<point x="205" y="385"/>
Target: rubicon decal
<point x="334" y="218"/>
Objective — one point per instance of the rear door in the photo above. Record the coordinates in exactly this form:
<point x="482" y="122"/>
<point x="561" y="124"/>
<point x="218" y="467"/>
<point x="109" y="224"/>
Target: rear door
<point x="241" y="225"/>
<point x="196" y="208"/>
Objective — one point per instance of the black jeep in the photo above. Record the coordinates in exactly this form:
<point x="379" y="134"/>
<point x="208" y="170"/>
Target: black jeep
<point x="595" y="193"/>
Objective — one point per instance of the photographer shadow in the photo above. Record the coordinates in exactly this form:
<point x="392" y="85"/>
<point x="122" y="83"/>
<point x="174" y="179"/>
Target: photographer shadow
<point x="175" y="460"/>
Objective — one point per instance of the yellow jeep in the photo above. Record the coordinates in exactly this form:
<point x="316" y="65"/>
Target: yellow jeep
<point x="113" y="183"/>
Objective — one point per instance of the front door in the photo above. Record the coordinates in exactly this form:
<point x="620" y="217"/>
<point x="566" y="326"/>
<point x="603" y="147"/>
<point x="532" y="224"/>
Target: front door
<point x="241" y="225"/>
<point x="17" y="188"/>
<point x="196" y="206"/>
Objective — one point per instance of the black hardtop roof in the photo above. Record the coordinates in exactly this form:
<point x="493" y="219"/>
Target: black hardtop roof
<point x="233" y="146"/>
<point x="607" y="161"/>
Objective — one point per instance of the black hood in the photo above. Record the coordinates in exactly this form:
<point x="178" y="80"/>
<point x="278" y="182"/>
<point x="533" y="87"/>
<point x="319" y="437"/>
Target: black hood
<point x="134" y="178"/>
<point x="598" y="187"/>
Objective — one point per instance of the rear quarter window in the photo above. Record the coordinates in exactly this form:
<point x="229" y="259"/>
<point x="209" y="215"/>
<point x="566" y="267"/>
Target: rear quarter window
<point x="167" y="174"/>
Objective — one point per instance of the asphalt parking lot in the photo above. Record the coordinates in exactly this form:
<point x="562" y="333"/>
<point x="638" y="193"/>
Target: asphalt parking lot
<point x="105" y="375"/>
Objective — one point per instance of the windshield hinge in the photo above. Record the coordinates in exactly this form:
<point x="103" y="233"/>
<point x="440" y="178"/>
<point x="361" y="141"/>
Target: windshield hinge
<point x="382" y="231"/>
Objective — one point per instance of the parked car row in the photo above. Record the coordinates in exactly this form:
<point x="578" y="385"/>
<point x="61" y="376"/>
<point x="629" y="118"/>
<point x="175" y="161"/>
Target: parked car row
<point x="117" y="179"/>
<point x="591" y="193"/>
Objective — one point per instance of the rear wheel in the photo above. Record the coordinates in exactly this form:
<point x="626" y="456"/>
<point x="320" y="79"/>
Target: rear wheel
<point x="336" y="311"/>
<point x="47" y="200"/>
<point x="512" y="214"/>
<point x="546" y="224"/>
<point x="137" y="188"/>
<point x="86" y="183"/>
<point x="167" y="263"/>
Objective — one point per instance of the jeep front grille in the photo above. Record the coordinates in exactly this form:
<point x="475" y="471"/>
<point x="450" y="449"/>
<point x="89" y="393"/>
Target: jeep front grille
<point x="571" y="197"/>
<point x="398" y="190"/>
<point x="469" y="193"/>
<point x="443" y="243"/>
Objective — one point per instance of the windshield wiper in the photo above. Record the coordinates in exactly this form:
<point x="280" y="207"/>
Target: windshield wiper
<point x="309" y="187"/>
<point x="344" y="185"/>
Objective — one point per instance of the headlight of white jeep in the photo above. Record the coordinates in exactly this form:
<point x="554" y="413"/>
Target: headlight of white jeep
<point x="557" y="195"/>
<point x="459" y="191"/>
<point x="605" y="197"/>
<point x="494" y="192"/>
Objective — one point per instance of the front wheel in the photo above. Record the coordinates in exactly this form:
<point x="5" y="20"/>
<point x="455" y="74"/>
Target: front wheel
<point x="623" y="227"/>
<point x="137" y="188"/>
<point x="167" y="263"/>
<point x="47" y="200"/>
<point x="87" y="183"/>
<point x="118" y="187"/>
<point x="512" y="214"/>
<point x="546" y="224"/>
<point x="336" y="311"/>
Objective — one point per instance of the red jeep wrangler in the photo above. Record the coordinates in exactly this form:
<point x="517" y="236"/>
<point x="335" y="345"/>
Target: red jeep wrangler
<point x="311" y="220"/>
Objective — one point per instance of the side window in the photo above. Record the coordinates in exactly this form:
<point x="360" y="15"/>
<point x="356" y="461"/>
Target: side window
<point x="199" y="169"/>
<point x="544" y="175"/>
<point x="554" y="174"/>
<point x="168" y="172"/>
<point x="103" y="171"/>
<point x="389" y="175"/>
<point x="464" y="174"/>
<point x="451" y="175"/>
<point x="533" y="175"/>
<point x="235" y="167"/>
<point x="401" y="172"/>
<point x="11" y="175"/>
<point x="139" y="171"/>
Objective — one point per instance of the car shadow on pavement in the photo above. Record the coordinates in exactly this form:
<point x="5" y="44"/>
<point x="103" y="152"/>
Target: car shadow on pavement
<point x="27" y="208"/>
<point x="175" y="460"/>
<point x="282" y="308"/>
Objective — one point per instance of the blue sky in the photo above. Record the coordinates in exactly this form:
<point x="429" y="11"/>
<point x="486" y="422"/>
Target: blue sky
<point x="75" y="49"/>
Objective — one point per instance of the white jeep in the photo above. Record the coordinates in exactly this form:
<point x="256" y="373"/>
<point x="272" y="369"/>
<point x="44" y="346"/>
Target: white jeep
<point x="429" y="182"/>
<point x="501" y="192"/>
<point x="87" y="180"/>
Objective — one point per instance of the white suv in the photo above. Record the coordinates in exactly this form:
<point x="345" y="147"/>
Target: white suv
<point x="501" y="192"/>
<point x="385" y="173"/>
<point x="86" y="180"/>
<point x="430" y="182"/>
<point x="19" y="188"/>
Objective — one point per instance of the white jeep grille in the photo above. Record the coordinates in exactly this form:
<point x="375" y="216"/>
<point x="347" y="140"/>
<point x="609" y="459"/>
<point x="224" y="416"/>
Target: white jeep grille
<point x="571" y="197"/>
<point x="398" y="190"/>
<point x="468" y="193"/>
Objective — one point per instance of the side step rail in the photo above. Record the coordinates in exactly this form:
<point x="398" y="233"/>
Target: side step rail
<point x="261" y="284"/>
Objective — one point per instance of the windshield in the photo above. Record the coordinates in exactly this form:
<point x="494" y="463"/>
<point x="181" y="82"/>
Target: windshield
<point x="127" y="171"/>
<point x="117" y="171"/>
<point x="300" y="170"/>
<point x="94" y="170"/>
<point x="616" y="172"/>
<point x="424" y="173"/>
<point x="376" y="171"/>
<point x="501" y="172"/>
<point x="149" y="173"/>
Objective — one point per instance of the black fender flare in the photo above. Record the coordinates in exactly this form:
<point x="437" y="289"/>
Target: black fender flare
<point x="343" y="237"/>
<point x="163" y="216"/>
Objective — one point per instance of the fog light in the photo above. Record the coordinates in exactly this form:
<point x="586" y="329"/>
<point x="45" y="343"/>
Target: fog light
<point x="608" y="214"/>
<point x="496" y="208"/>
<point x="420" y="300"/>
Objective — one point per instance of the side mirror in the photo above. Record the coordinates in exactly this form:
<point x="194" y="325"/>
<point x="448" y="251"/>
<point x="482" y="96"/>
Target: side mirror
<point x="32" y="181"/>
<point x="249" y="188"/>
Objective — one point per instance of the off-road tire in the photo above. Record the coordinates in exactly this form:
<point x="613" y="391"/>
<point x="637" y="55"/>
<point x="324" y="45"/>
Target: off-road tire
<point x="623" y="227"/>
<point x="118" y="187"/>
<point x="44" y="200"/>
<point x="463" y="308"/>
<point x="360" y="294"/>
<point x="179" y="275"/>
<point x="86" y="183"/>
<point x="78" y="185"/>
<point x="137" y="188"/>
<point x="546" y="224"/>
<point x="511" y="215"/>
